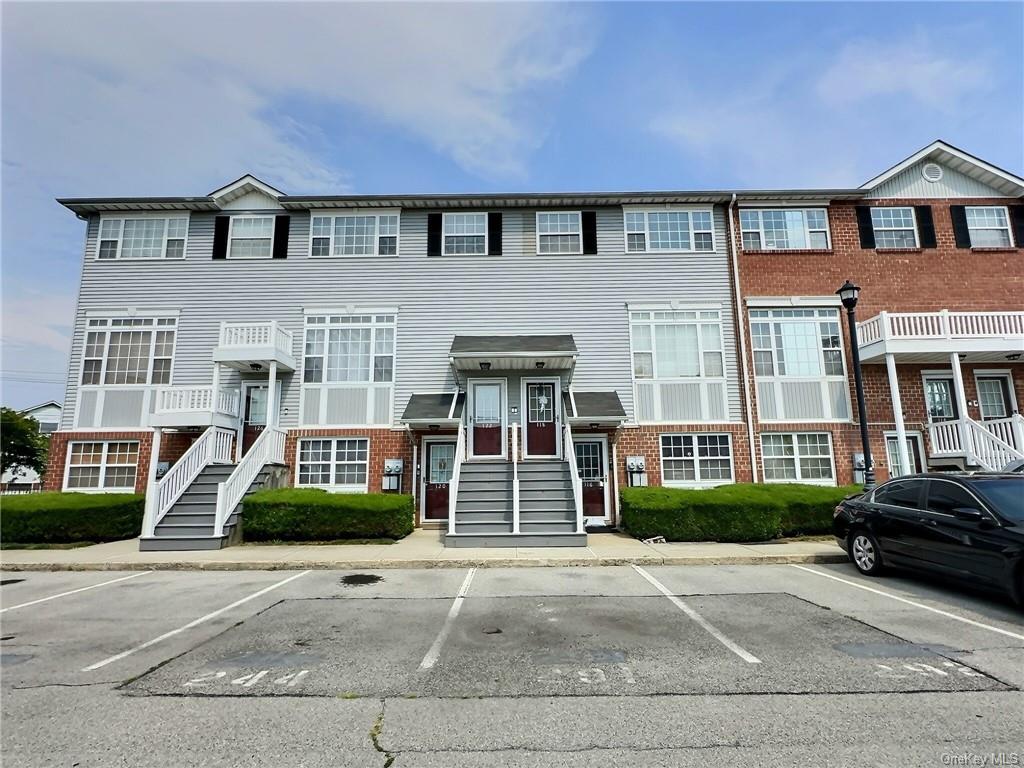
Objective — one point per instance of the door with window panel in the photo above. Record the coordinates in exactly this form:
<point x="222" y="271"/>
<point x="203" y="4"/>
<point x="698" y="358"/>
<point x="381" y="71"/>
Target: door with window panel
<point x="541" y="429"/>
<point x="440" y="460"/>
<point x="592" y="467"/>
<point x="487" y="433"/>
<point x="994" y="399"/>
<point x="940" y="399"/>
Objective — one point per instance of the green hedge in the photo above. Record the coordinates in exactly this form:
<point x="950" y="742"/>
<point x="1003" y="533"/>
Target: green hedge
<point x="64" y="518"/>
<point x="739" y="512"/>
<point x="311" y="514"/>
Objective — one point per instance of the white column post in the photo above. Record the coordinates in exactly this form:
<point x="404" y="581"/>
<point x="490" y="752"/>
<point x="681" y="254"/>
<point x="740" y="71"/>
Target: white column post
<point x="897" y="412"/>
<point x="150" y="510"/>
<point x="272" y="397"/>
<point x="961" y="404"/>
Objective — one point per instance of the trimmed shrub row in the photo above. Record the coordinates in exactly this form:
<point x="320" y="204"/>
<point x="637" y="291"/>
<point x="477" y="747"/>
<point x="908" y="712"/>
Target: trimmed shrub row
<point x="64" y="518"/>
<point x="311" y="514"/>
<point x="739" y="512"/>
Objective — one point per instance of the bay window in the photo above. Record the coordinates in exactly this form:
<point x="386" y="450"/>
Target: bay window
<point x="989" y="226"/>
<point x="668" y="231"/>
<point x="894" y="227"/>
<point x="142" y="237"/>
<point x="791" y="229"/>
<point x="559" y="233"/>
<point x="349" y="348"/>
<point x="465" y="234"/>
<point x="695" y="460"/>
<point x="355" y="234"/>
<point x="102" y="466"/>
<point x="334" y="463"/>
<point x="797" y="458"/>
<point x="128" y="351"/>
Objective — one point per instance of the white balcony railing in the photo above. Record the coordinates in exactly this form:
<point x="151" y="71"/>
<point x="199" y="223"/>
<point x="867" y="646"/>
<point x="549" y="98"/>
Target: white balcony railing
<point x="170" y="400"/>
<point x="943" y="325"/>
<point x="252" y="335"/>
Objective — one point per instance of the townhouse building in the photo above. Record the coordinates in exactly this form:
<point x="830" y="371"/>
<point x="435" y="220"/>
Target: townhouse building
<point x="514" y="360"/>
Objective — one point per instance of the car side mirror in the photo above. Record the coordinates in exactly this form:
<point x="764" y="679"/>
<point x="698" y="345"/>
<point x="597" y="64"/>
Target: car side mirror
<point x="969" y="514"/>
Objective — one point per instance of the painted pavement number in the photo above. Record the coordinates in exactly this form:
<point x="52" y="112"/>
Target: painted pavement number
<point x="263" y="678"/>
<point x="920" y="669"/>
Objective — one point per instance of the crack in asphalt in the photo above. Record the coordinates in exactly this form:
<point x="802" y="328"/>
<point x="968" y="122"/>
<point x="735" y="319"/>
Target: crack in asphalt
<point x="375" y="731"/>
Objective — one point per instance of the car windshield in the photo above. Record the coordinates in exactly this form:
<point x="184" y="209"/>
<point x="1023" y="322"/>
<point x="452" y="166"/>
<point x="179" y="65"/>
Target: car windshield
<point x="1005" y="494"/>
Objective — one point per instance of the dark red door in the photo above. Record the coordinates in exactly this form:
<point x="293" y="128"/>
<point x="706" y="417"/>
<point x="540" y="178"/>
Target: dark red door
<point x="255" y="416"/>
<point x="488" y="434"/>
<point x="440" y="461"/>
<point x="541" y="439"/>
<point x="591" y="465"/>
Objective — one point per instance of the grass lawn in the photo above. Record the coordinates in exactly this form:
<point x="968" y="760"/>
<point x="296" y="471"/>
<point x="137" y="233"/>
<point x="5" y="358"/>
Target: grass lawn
<point x="280" y="543"/>
<point x="66" y="545"/>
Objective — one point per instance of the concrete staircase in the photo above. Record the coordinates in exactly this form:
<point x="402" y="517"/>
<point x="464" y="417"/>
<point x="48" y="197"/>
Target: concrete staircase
<point x="189" y="523"/>
<point x="483" y="507"/>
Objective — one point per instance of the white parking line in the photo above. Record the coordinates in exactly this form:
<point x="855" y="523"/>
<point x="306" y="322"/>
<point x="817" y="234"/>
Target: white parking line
<point x="435" y="650"/>
<point x="73" y="591"/>
<point x="708" y="627"/>
<point x="939" y="611"/>
<point x="191" y="624"/>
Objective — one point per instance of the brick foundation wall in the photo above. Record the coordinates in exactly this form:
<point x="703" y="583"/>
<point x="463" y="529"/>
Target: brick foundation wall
<point x="646" y="441"/>
<point x="384" y="444"/>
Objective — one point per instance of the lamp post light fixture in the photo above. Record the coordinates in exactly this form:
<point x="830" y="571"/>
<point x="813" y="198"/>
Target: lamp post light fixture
<point x="848" y="294"/>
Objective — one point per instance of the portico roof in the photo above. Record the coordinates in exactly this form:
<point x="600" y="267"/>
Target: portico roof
<point x="513" y="353"/>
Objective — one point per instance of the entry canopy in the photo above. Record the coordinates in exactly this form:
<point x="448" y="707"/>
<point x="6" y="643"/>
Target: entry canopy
<point x="434" y="408"/>
<point x="513" y="353"/>
<point x="600" y="408"/>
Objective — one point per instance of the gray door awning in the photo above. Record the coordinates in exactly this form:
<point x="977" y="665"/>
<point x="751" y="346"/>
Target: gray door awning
<point x="513" y="353"/>
<point x="600" y="408"/>
<point x="430" y="408"/>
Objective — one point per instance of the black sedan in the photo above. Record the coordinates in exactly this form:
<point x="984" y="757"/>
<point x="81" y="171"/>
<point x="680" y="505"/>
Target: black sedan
<point x="966" y="526"/>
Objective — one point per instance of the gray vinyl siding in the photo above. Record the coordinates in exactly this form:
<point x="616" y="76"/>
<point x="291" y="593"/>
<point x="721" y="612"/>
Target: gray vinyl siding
<point x="910" y="184"/>
<point x="518" y="292"/>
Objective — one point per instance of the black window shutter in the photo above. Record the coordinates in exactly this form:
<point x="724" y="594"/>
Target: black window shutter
<point x="961" y="233"/>
<point x="925" y="225"/>
<point x="865" y="227"/>
<point x="433" y="234"/>
<point x="494" y="234"/>
<point x="589" y="222"/>
<point x="220" y="236"/>
<point x="1017" y="224"/>
<point x="281" y="227"/>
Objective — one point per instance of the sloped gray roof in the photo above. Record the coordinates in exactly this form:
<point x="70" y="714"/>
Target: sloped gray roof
<point x="512" y="345"/>
<point x="433" y="406"/>
<point x="596" y="405"/>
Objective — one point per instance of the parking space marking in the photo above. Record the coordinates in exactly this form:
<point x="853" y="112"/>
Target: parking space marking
<point x="708" y="627"/>
<point x="191" y="624"/>
<point x="435" y="650"/>
<point x="73" y="591"/>
<point x="914" y="603"/>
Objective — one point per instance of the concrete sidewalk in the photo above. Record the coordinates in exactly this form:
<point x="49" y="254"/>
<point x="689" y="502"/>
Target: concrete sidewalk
<point x="421" y="549"/>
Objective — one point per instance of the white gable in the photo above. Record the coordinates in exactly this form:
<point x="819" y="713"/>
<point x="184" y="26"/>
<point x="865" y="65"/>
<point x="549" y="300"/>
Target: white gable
<point x="247" y="193"/>
<point x="962" y="175"/>
<point x="252" y="200"/>
<point x="911" y="183"/>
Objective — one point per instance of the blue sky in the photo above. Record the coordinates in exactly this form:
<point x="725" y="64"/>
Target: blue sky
<point x="180" y="98"/>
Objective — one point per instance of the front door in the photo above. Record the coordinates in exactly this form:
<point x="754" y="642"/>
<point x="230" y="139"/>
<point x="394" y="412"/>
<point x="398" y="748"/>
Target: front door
<point x="940" y="399"/>
<point x="437" y="475"/>
<point x="486" y="422"/>
<point x="255" y="417"/>
<point x="592" y="464"/>
<point x="541" y="429"/>
<point x="913" y="453"/>
<point x="994" y="397"/>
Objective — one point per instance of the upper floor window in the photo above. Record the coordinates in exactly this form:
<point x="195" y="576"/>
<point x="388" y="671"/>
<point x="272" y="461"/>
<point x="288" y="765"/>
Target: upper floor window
<point x="129" y="350"/>
<point x="349" y="348"/>
<point x="989" y="226"/>
<point x="465" y="234"/>
<point x="894" y="227"/>
<point x="773" y="229"/>
<point x="801" y="343"/>
<point x="145" y="237"/>
<point x="648" y="231"/>
<point x="559" y="232"/>
<point x="673" y="344"/>
<point x="354" y="235"/>
<point x="251" y="237"/>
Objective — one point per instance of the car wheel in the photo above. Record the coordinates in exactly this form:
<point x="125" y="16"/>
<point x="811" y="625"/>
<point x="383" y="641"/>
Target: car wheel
<point x="865" y="553"/>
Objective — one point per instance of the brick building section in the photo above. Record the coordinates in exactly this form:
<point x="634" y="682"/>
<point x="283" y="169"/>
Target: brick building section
<point x="893" y="280"/>
<point x="646" y="441"/>
<point x="383" y="444"/>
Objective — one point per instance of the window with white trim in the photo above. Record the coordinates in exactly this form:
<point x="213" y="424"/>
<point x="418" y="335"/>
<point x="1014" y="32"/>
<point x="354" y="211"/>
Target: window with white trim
<point x="102" y="466"/>
<point x="791" y="229"/>
<point x="668" y="231"/>
<point x="349" y="348"/>
<point x="144" y="237"/>
<point x="559" y="232"/>
<point x="354" y="235"/>
<point x="128" y="350"/>
<point x="803" y="457"/>
<point x="894" y="227"/>
<point x="677" y="344"/>
<point x="335" y="463"/>
<point x="465" y="234"/>
<point x="989" y="226"/>
<point x="251" y="237"/>
<point x="701" y="459"/>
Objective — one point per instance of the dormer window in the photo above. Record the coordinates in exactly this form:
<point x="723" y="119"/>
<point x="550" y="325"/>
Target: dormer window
<point x="251" y="237"/>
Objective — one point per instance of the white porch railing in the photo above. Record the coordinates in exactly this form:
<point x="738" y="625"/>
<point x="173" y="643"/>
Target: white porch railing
<point x="569" y="451"/>
<point x="203" y="398"/>
<point x="940" y="325"/>
<point x="1010" y="430"/>
<point x="975" y="441"/>
<point x="268" y="449"/>
<point x="212" y="447"/>
<point x="453" y="484"/>
<point x="265" y="334"/>
<point x="515" y="478"/>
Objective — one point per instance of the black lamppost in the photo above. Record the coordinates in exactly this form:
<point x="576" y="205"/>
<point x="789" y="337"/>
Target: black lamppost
<point x="848" y="295"/>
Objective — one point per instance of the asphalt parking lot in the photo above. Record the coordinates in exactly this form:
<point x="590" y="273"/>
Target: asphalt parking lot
<point x="762" y="665"/>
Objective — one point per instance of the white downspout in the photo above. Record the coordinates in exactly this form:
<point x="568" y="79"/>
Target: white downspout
<point x="742" y="323"/>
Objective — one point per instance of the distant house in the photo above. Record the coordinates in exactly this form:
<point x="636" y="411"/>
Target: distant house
<point x="28" y="480"/>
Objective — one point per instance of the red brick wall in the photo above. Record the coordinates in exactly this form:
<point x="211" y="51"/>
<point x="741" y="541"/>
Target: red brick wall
<point x="53" y="479"/>
<point x="384" y="444"/>
<point x="645" y="441"/>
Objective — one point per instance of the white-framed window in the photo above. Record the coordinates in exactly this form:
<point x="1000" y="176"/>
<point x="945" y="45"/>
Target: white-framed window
<point x="989" y="226"/>
<point x="465" y="234"/>
<point x="801" y="457"/>
<point x="142" y="236"/>
<point x="696" y="460"/>
<point x="251" y="237"/>
<point x="349" y="348"/>
<point x="129" y="350"/>
<point x="559" y="232"/>
<point x="354" y="234"/>
<point x="784" y="228"/>
<point x="894" y="227"/>
<point x="102" y="466"/>
<point x="799" y="364"/>
<point x="668" y="231"/>
<point x="335" y="463"/>
<point x="675" y="344"/>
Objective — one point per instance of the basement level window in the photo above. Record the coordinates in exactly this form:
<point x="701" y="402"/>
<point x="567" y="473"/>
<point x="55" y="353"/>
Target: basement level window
<point x="102" y="466"/>
<point x="688" y="460"/>
<point x="338" y="463"/>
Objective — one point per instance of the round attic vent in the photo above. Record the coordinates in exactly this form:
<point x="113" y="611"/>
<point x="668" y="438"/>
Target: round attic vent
<point x="932" y="172"/>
